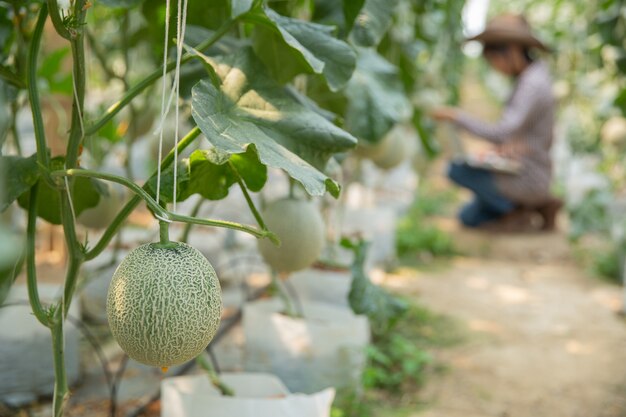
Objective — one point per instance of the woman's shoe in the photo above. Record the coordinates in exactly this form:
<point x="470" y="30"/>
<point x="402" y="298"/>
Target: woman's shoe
<point x="520" y="220"/>
<point x="548" y="212"/>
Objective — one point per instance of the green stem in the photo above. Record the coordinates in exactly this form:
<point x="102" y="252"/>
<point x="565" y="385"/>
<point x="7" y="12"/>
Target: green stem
<point x="164" y="233"/>
<point x="33" y="91"/>
<point x="225" y="224"/>
<point x="246" y="195"/>
<point x="74" y="251"/>
<point x="284" y="296"/>
<point x="161" y="213"/>
<point x="61" y="391"/>
<point x="31" y="269"/>
<point x="188" y="226"/>
<point x="157" y="74"/>
<point x="78" y="54"/>
<point x="134" y="202"/>
<point x="57" y="21"/>
<point x="206" y="365"/>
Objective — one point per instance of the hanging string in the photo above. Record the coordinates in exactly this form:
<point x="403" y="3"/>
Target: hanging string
<point x="181" y="28"/>
<point x="174" y="95"/>
<point x="164" y="108"/>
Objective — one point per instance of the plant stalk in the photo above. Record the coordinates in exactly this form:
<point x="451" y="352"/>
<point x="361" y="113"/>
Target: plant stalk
<point x="283" y="295"/>
<point x="61" y="390"/>
<point x="31" y="268"/>
<point x="246" y="195"/>
<point x="57" y="21"/>
<point x="78" y="71"/>
<point x="33" y="90"/>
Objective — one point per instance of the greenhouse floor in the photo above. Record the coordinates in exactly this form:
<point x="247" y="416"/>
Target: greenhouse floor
<point x="544" y="337"/>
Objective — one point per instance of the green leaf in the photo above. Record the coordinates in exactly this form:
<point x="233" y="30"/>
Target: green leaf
<point x="372" y="22"/>
<point x="121" y="4"/>
<point x="351" y="9"/>
<point x="376" y="99"/>
<point x="19" y="175"/>
<point x="85" y="194"/>
<point x="251" y="170"/>
<point x="291" y="46"/>
<point x="251" y="108"/>
<point x="11" y="247"/>
<point x="239" y="7"/>
<point x="211" y="173"/>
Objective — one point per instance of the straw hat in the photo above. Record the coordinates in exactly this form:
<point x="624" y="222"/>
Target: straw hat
<point x="509" y="28"/>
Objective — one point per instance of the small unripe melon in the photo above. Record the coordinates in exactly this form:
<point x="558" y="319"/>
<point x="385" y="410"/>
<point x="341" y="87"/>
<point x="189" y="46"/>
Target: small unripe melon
<point x="300" y="228"/>
<point x="164" y="304"/>
<point x="393" y="149"/>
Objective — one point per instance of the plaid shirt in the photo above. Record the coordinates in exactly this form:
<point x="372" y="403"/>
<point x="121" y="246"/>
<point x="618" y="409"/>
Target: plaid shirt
<point x="524" y="132"/>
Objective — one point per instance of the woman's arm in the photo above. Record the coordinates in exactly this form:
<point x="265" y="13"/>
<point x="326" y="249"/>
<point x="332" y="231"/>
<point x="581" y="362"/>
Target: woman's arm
<point x="528" y="98"/>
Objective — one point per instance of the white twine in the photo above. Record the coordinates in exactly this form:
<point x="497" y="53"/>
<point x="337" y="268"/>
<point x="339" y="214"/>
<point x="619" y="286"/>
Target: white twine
<point x="164" y="109"/>
<point x="181" y="27"/>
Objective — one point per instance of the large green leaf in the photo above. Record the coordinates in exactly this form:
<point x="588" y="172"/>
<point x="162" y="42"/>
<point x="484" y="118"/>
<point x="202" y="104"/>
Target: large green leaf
<point x="211" y="173"/>
<point x="249" y="107"/>
<point x="239" y="7"/>
<point x="19" y="175"/>
<point x="351" y="9"/>
<point x="291" y="46"/>
<point x="85" y="194"/>
<point x="376" y="99"/>
<point x="11" y="247"/>
<point x="372" y="22"/>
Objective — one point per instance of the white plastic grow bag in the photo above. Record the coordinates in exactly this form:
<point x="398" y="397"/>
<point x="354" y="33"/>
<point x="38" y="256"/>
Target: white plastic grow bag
<point x="324" y="349"/>
<point x="330" y="287"/>
<point x="256" y="395"/>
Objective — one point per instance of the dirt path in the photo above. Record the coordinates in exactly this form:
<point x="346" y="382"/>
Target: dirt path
<point x="544" y="338"/>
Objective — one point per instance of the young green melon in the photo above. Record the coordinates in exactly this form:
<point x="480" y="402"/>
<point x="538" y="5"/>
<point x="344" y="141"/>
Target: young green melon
<point x="393" y="149"/>
<point x="164" y="304"/>
<point x="300" y="228"/>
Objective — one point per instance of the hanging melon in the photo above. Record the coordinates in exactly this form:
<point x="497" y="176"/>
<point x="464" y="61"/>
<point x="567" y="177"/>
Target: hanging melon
<point x="300" y="228"/>
<point x="164" y="304"/>
<point x="394" y="148"/>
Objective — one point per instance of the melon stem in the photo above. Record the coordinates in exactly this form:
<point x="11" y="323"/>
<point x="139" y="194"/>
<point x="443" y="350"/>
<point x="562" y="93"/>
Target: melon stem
<point x="283" y="295"/>
<point x="164" y="233"/>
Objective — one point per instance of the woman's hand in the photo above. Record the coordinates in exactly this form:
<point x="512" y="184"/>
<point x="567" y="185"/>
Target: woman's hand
<point x="444" y="114"/>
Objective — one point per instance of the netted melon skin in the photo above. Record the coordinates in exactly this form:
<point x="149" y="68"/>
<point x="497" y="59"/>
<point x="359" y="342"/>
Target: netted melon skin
<point x="300" y="228"/>
<point x="164" y="304"/>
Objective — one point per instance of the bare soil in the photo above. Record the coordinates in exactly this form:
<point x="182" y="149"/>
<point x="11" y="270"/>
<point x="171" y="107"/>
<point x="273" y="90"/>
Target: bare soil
<point x="544" y="338"/>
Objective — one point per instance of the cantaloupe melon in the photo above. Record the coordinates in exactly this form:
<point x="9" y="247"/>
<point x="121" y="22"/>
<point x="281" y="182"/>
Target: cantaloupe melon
<point x="300" y="228"/>
<point x="164" y="304"/>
